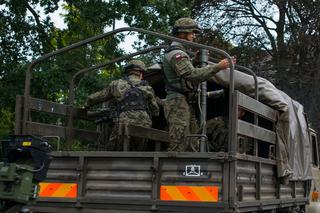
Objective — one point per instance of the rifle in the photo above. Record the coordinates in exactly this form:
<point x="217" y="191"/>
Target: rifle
<point x="104" y="114"/>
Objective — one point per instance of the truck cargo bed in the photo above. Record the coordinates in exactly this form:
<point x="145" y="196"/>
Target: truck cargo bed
<point x="164" y="182"/>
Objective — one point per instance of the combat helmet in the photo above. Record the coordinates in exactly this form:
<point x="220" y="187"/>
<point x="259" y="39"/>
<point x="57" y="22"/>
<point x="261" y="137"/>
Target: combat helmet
<point x="135" y="65"/>
<point x="185" y="25"/>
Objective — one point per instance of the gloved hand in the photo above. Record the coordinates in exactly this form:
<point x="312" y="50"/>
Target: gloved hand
<point x="224" y="63"/>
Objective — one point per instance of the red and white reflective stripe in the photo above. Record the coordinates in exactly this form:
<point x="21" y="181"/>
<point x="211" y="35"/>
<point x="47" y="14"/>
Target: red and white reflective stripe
<point x="189" y="193"/>
<point x="58" y="190"/>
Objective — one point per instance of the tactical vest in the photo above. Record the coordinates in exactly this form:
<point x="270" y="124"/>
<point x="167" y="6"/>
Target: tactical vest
<point x="173" y="82"/>
<point x="133" y="97"/>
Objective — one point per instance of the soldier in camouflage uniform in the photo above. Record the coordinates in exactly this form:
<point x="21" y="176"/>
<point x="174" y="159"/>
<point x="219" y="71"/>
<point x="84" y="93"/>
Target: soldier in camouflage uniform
<point x="217" y="132"/>
<point x="181" y="79"/>
<point x="135" y="99"/>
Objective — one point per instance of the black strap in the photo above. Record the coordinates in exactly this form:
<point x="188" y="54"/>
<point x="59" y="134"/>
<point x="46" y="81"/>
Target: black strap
<point x="173" y="47"/>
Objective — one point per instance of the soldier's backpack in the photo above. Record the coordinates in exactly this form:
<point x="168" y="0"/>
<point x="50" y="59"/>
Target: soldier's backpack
<point x="133" y="98"/>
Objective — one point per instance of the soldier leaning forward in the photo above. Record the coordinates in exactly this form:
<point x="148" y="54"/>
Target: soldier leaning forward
<point x="135" y="101"/>
<point x="181" y="79"/>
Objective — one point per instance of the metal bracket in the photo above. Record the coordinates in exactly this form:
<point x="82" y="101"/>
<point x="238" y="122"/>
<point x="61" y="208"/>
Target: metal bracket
<point x="231" y="156"/>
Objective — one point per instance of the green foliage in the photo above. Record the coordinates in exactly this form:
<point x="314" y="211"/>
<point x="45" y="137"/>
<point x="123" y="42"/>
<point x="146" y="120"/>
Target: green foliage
<point x="6" y="123"/>
<point x="156" y="15"/>
<point x="292" y="43"/>
<point x="215" y="39"/>
<point x="286" y="33"/>
<point x="22" y="37"/>
<point x="78" y="145"/>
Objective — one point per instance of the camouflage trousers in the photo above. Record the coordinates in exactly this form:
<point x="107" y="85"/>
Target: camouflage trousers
<point x="182" y="122"/>
<point x="217" y="132"/>
<point x="139" y="118"/>
<point x="104" y="128"/>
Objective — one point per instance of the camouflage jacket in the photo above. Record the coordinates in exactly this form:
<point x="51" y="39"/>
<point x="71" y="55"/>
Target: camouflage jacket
<point x="217" y="132"/>
<point x="115" y="92"/>
<point x="180" y="75"/>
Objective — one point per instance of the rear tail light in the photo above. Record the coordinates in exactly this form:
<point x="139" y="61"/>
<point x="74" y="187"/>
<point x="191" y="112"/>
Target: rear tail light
<point x="315" y="196"/>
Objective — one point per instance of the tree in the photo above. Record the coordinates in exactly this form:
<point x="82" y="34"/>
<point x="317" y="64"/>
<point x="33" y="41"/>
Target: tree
<point x="23" y="36"/>
<point x="157" y="15"/>
<point x="288" y="30"/>
<point x="285" y="31"/>
<point x="26" y="35"/>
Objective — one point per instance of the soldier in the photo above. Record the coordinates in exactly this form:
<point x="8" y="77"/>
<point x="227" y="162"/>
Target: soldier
<point x="217" y="132"/>
<point x="181" y="78"/>
<point x="135" y="101"/>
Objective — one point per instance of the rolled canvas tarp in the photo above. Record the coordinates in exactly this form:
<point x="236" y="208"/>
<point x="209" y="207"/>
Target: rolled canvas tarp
<point x="293" y="143"/>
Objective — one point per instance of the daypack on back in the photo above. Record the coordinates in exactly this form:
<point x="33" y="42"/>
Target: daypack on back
<point x="133" y="98"/>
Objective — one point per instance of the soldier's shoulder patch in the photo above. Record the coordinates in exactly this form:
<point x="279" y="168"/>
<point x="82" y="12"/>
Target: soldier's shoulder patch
<point x="178" y="57"/>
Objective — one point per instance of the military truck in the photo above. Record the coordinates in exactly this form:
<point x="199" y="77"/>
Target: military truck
<point x="234" y="180"/>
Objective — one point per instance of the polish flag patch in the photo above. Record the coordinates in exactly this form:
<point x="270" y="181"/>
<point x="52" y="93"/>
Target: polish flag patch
<point x="178" y="57"/>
